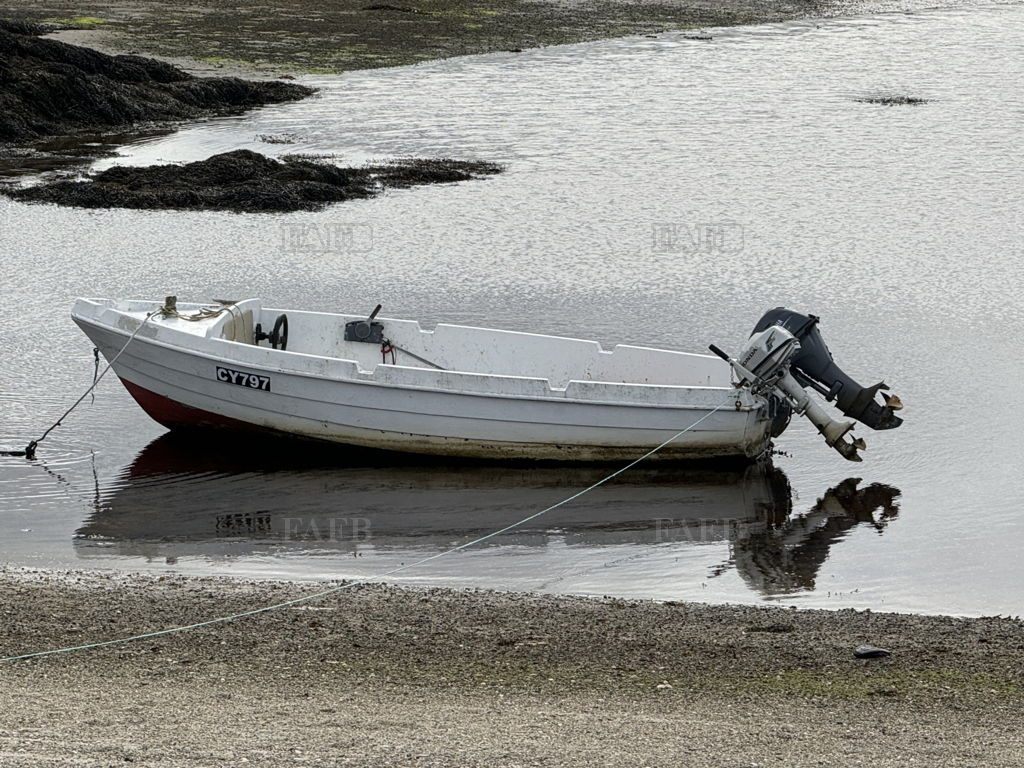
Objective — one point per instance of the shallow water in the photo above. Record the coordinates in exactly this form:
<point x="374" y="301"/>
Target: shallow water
<point x="660" y="191"/>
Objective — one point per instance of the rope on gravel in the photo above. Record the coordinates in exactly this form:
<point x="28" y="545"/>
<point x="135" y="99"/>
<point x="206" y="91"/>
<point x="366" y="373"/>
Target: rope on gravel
<point x="367" y="579"/>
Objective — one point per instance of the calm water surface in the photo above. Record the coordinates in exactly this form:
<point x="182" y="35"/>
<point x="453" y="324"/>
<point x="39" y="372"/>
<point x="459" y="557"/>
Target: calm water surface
<point x="899" y="226"/>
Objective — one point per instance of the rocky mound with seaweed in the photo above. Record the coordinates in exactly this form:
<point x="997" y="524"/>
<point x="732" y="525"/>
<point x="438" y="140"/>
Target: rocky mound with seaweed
<point x="49" y="88"/>
<point x="246" y="181"/>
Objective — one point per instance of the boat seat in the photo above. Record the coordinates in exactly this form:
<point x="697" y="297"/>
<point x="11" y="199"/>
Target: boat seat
<point x="239" y="326"/>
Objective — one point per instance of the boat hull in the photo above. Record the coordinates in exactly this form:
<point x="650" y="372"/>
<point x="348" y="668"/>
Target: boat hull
<point x="185" y="387"/>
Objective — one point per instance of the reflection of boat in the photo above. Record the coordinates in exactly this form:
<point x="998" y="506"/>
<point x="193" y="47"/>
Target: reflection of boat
<point x="476" y="392"/>
<point x="221" y="500"/>
<point x="185" y="497"/>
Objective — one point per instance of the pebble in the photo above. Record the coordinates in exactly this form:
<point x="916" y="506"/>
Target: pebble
<point x="870" y="652"/>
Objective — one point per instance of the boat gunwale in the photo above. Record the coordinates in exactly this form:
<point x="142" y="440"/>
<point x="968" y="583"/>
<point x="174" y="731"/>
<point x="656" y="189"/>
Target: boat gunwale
<point x="554" y="398"/>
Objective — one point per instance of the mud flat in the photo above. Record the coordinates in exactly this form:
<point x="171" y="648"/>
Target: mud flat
<point x="293" y="36"/>
<point x="391" y="676"/>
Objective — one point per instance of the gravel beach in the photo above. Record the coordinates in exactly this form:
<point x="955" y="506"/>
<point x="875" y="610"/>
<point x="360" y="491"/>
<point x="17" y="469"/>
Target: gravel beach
<point x="382" y="675"/>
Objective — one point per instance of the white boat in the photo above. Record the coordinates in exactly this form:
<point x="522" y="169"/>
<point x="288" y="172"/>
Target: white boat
<point x="452" y="390"/>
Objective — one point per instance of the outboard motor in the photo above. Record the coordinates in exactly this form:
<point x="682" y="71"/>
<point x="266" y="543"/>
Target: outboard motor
<point x="786" y="355"/>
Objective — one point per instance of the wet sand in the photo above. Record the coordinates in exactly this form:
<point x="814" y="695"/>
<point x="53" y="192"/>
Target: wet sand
<point x="382" y="675"/>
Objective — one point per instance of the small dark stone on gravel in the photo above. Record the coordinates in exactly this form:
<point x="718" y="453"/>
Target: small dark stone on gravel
<point x="870" y="652"/>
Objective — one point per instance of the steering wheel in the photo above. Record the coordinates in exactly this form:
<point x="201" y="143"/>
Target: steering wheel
<point x="279" y="336"/>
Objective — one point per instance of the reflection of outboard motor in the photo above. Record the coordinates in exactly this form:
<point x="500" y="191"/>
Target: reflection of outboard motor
<point x="785" y="354"/>
<point x="785" y="558"/>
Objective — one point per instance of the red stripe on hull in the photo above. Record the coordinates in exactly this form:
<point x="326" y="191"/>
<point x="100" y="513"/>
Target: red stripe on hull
<point x="173" y="414"/>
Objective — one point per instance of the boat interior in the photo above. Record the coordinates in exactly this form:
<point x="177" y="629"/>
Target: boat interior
<point x="373" y="341"/>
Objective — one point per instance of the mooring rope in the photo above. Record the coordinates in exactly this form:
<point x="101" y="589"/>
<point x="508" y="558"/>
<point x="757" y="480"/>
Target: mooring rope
<point x="368" y="579"/>
<point x="168" y="309"/>
<point x="30" y="449"/>
<point x="95" y="372"/>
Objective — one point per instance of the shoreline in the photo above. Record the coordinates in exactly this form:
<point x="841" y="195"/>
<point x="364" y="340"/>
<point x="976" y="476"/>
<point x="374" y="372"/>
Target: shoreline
<point x="386" y="675"/>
